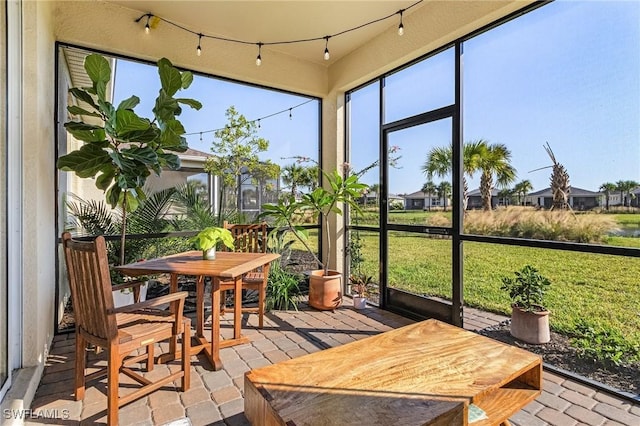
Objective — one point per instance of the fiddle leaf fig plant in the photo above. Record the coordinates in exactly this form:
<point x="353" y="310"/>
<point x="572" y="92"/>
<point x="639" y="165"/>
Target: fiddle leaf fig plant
<point x="120" y="148"/>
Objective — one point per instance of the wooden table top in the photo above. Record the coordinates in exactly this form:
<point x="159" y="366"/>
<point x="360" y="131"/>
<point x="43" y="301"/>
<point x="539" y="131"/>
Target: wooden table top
<point x="422" y="371"/>
<point x="225" y="265"/>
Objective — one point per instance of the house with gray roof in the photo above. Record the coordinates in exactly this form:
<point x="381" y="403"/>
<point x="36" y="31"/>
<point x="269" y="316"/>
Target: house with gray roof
<point x="579" y="199"/>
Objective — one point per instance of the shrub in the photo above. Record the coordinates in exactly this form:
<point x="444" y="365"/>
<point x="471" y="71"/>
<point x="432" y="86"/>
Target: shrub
<point x="602" y="343"/>
<point x="557" y="225"/>
<point x="282" y="288"/>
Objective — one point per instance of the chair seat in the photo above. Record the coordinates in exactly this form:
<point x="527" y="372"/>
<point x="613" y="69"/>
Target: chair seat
<point x="140" y="324"/>
<point x="255" y="278"/>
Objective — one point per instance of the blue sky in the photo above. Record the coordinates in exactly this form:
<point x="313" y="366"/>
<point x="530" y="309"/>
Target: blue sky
<point x="567" y="74"/>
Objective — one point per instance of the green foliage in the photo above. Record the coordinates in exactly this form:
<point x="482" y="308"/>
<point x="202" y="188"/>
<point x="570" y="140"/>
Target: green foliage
<point x="236" y="148"/>
<point x="209" y="237"/>
<point x="283" y="291"/>
<point x="527" y="289"/>
<point x="319" y="202"/>
<point x="122" y="150"/>
<point x="360" y="284"/>
<point x="602" y="343"/>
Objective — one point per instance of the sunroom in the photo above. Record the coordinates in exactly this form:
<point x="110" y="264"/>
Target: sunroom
<point x="547" y="81"/>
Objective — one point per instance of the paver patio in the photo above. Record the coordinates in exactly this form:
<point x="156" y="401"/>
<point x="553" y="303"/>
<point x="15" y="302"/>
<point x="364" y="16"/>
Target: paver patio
<point x="216" y="397"/>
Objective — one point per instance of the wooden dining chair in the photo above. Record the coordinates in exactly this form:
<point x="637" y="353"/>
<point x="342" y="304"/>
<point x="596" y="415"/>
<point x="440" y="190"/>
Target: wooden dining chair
<point x="249" y="238"/>
<point x="122" y="331"/>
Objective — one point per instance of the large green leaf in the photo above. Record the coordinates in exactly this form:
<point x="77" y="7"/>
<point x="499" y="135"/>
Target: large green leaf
<point x="85" y="162"/>
<point x="129" y="103"/>
<point x="76" y="110"/>
<point x="191" y="102"/>
<point x="165" y="108"/>
<point x="128" y="121"/>
<point x="101" y="90"/>
<point x="85" y="132"/>
<point x="187" y="79"/>
<point x="83" y="96"/>
<point x="104" y="179"/>
<point x="97" y="68"/>
<point x="170" y="78"/>
<point x="144" y="155"/>
<point x="170" y="161"/>
<point x="141" y="136"/>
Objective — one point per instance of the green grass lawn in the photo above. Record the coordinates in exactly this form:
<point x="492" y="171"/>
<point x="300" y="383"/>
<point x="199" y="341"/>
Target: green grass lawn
<point x="597" y="287"/>
<point x="600" y="288"/>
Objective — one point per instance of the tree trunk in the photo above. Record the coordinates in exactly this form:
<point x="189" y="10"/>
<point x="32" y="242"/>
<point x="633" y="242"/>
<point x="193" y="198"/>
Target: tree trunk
<point x="124" y="227"/>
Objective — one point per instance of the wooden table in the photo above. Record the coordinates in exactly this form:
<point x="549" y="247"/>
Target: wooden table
<point x="422" y="374"/>
<point x="226" y="265"/>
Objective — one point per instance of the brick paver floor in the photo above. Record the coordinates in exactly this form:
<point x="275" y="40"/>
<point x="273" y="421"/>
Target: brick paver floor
<point x="216" y="397"/>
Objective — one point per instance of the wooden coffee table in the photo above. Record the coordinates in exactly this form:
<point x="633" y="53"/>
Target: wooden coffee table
<point x="426" y="373"/>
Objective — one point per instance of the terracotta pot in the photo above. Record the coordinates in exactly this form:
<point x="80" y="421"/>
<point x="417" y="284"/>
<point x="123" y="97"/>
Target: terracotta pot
<point x="359" y="302"/>
<point x="530" y="327"/>
<point x="325" y="292"/>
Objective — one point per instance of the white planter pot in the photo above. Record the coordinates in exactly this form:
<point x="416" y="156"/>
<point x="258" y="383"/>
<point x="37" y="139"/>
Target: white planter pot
<point x="359" y="302"/>
<point x="125" y="297"/>
<point x="209" y="254"/>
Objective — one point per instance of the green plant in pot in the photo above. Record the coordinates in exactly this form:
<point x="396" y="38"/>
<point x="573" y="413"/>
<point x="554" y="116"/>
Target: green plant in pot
<point x="207" y="240"/>
<point x="325" y="285"/>
<point x="122" y="149"/>
<point x="360" y="284"/>
<point x="529" y="317"/>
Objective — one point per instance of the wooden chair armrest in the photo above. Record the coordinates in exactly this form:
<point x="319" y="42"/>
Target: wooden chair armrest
<point x="178" y="297"/>
<point x="128" y="284"/>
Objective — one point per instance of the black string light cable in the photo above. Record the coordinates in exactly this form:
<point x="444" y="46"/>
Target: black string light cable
<point x="259" y="44"/>
<point x="257" y="120"/>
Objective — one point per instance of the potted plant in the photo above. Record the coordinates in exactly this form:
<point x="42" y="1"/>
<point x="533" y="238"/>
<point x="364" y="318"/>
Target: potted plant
<point x="207" y="240"/>
<point x="120" y="149"/>
<point x="529" y="317"/>
<point x="325" y="285"/>
<point x="360" y="288"/>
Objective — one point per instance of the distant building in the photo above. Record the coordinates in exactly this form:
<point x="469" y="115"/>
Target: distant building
<point x="474" y="199"/>
<point x="579" y="199"/>
<point x="420" y="201"/>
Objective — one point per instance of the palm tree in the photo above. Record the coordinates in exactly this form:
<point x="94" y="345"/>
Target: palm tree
<point x="292" y="175"/>
<point x="625" y="187"/>
<point x="440" y="162"/>
<point x="494" y="160"/>
<point x="429" y="188"/>
<point x="522" y="189"/>
<point x="607" y="188"/>
<point x="444" y="192"/>
<point x="560" y="187"/>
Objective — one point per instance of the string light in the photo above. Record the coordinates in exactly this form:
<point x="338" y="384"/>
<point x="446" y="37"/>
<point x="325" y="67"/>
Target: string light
<point x="259" y="58"/>
<point x="147" y="28"/>
<point x="326" y="48"/>
<point x="257" y="120"/>
<point x="279" y="42"/>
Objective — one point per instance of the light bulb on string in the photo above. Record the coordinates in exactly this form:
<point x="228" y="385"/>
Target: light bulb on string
<point x="147" y="28"/>
<point x="290" y="115"/>
<point x="326" y="48"/>
<point x="401" y="26"/>
<point x="259" y="57"/>
<point x="259" y="123"/>
<point x="199" y="49"/>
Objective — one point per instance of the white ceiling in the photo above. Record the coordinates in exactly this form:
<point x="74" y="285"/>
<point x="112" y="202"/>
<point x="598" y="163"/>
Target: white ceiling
<point x="269" y="21"/>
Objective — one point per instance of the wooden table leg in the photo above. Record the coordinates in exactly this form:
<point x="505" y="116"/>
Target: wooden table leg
<point x="214" y="352"/>
<point x="237" y="308"/>
<point x="173" y="288"/>
<point x="200" y="306"/>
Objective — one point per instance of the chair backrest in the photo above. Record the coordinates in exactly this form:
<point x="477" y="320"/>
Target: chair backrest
<point x="250" y="238"/>
<point x="90" y="282"/>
